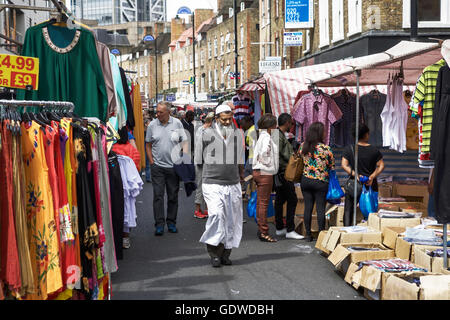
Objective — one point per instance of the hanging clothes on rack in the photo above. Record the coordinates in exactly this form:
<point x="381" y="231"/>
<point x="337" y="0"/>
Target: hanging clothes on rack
<point x="119" y="120"/>
<point x="138" y="130"/>
<point x="440" y="145"/>
<point x="317" y="107"/>
<point x="127" y="91"/>
<point x="395" y="116"/>
<point x="422" y="104"/>
<point x="372" y="105"/>
<point x="105" y="63"/>
<point x="341" y="131"/>
<point x="69" y="68"/>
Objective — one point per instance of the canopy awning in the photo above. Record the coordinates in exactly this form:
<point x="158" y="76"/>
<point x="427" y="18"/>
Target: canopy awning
<point x="284" y="85"/>
<point x="254" y="85"/>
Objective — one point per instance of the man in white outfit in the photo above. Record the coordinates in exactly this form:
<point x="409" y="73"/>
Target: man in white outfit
<point x="223" y="154"/>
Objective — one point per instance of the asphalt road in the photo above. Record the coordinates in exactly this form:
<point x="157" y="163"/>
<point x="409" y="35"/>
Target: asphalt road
<point x="177" y="266"/>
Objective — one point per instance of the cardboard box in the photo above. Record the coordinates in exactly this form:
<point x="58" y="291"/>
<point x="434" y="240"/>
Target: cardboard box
<point x="378" y="223"/>
<point x="319" y="241"/>
<point x="422" y="259"/>
<point x="385" y="190"/>
<point x="390" y="235"/>
<point x="388" y="206"/>
<point x="412" y="207"/>
<point x="337" y="236"/>
<point x="432" y="287"/>
<point x="406" y="250"/>
<point x="412" y="193"/>
<point x="300" y="226"/>
<point x="342" y="253"/>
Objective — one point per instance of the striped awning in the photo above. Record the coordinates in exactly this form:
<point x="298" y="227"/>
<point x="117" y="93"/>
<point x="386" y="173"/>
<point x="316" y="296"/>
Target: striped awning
<point x="284" y="85"/>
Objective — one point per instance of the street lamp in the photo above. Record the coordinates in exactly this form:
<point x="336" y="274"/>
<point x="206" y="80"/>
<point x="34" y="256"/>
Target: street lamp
<point x="150" y="38"/>
<point x="186" y="10"/>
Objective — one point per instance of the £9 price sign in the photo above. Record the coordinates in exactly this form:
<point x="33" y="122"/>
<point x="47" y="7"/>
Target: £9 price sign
<point x="19" y="72"/>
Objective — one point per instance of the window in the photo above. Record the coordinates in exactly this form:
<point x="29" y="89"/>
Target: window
<point x="146" y="89"/>
<point x="324" y="23"/>
<point x="210" y="82"/>
<point x="215" y="47"/>
<point x="354" y="17"/>
<point x="431" y="13"/>
<point x="263" y="14"/>
<point x="202" y="85"/>
<point x="277" y="8"/>
<point x="307" y="44"/>
<point x="141" y="70"/>
<point x="146" y="70"/>
<point x="230" y="12"/>
<point x="277" y="47"/>
<point x="338" y="20"/>
<point x="263" y="54"/>
<point x="202" y="58"/>
<point x="242" y="36"/>
<point x="242" y="6"/>
<point x="209" y="50"/>
<point x="222" y="45"/>
<point x="228" y="42"/>
<point x="216" y="79"/>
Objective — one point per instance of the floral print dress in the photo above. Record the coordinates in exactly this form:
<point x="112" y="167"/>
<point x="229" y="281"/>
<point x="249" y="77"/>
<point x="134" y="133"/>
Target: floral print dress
<point x="44" y="246"/>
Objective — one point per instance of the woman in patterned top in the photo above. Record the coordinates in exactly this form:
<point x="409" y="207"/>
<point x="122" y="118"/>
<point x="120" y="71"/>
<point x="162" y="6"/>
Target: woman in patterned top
<point x="318" y="160"/>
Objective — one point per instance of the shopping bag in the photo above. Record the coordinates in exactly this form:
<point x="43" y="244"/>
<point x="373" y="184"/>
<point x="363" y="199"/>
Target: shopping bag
<point x="251" y="206"/>
<point x="335" y="192"/>
<point x="368" y="202"/>
<point x="294" y="169"/>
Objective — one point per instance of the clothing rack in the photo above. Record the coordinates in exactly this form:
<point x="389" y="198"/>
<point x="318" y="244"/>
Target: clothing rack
<point x="42" y="104"/>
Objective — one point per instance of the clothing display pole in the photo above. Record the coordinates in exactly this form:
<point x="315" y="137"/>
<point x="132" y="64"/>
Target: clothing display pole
<point x="355" y="194"/>
<point x="25" y="103"/>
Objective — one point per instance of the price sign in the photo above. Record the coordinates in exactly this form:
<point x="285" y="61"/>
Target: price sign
<point x="19" y="72"/>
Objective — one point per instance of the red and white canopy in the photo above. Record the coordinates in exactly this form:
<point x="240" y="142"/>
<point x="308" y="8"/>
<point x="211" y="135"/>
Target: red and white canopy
<point x="284" y="85"/>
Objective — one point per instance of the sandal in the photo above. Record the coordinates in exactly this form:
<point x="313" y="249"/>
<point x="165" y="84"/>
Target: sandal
<point x="266" y="238"/>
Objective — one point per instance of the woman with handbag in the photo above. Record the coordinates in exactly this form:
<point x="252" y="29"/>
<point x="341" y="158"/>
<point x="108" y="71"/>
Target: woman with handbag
<point x="370" y="164"/>
<point x="265" y="166"/>
<point x="318" y="161"/>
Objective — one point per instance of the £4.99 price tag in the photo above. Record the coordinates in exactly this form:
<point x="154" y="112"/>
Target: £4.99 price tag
<point x="19" y="72"/>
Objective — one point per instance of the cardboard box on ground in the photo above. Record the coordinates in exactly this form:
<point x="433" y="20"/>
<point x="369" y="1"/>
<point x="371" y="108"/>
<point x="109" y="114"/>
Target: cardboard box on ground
<point x="378" y="223"/>
<point x="342" y="257"/>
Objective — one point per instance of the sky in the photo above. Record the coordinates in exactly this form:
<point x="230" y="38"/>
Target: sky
<point x="174" y="5"/>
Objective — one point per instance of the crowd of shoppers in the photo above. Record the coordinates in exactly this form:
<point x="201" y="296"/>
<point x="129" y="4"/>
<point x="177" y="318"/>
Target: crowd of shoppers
<point x="227" y="158"/>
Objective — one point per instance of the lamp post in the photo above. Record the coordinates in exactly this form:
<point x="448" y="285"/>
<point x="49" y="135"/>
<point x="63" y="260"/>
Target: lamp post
<point x="236" y="55"/>
<point x="186" y="10"/>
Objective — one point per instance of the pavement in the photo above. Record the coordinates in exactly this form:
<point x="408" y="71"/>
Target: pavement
<point x="177" y="266"/>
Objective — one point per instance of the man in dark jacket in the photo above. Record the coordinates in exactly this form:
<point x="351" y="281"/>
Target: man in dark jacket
<point x="285" y="190"/>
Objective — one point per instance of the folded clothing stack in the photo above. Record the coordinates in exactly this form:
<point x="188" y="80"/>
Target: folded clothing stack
<point x="395" y="214"/>
<point x="392" y="265"/>
<point x="438" y="253"/>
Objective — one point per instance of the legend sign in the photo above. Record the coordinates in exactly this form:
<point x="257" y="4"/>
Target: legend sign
<point x="19" y="72"/>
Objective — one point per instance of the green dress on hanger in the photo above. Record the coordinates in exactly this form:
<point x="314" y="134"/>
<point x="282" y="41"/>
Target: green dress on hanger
<point x="69" y="69"/>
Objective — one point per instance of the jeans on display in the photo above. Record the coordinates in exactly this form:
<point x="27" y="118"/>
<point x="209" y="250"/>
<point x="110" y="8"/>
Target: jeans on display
<point x="314" y="191"/>
<point x="431" y="210"/>
<point x="165" y="180"/>
<point x="285" y="193"/>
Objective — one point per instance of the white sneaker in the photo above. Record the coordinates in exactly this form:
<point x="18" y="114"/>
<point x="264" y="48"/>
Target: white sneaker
<point x="126" y="243"/>
<point x="294" y="235"/>
<point x="281" y="232"/>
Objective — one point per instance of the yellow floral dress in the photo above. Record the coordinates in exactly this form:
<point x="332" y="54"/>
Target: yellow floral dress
<point x="44" y="246"/>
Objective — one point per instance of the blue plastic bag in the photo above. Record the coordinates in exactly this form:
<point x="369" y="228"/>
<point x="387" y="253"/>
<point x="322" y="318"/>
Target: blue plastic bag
<point x="368" y="202"/>
<point x="335" y="192"/>
<point x="251" y="206"/>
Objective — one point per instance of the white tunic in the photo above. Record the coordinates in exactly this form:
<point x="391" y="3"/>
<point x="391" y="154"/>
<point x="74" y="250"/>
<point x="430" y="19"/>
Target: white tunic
<point x="224" y="223"/>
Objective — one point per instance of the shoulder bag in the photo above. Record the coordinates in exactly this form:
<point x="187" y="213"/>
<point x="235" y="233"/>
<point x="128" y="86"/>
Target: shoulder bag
<point x="294" y="169"/>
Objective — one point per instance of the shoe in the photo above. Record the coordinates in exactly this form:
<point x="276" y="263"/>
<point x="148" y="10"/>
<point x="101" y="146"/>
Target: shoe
<point x="226" y="261"/>
<point x="199" y="215"/>
<point x="148" y="181"/>
<point x="159" y="231"/>
<point x="215" y="262"/>
<point x="126" y="243"/>
<point x="266" y="238"/>
<point x="172" y="228"/>
<point x="281" y="232"/>
<point x="205" y="213"/>
<point x="294" y="235"/>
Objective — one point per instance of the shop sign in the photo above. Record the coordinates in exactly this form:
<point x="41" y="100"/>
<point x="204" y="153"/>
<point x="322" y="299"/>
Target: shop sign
<point x="19" y="72"/>
<point x="293" y="39"/>
<point x="171" y="97"/>
<point x="299" y="14"/>
<point x="160" y="97"/>
<point x="270" y="64"/>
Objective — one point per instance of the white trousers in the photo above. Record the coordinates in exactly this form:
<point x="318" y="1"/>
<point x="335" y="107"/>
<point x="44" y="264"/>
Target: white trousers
<point x="224" y="223"/>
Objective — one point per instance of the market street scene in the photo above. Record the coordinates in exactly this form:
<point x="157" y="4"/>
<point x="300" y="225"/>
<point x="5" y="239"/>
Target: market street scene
<point x="224" y="151"/>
